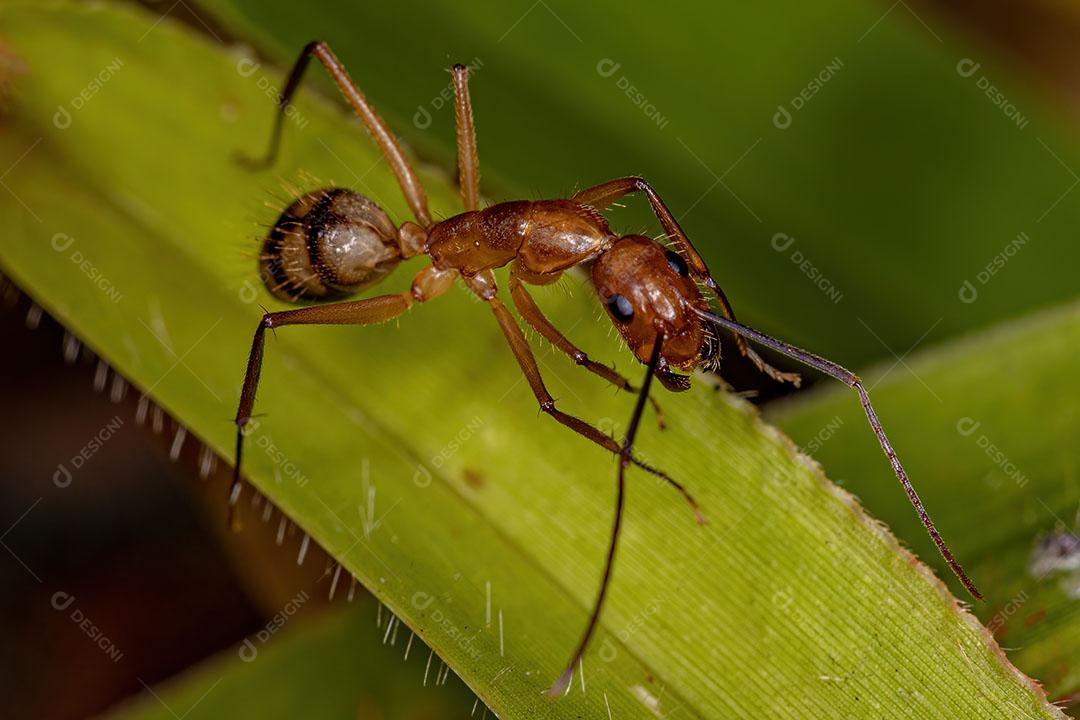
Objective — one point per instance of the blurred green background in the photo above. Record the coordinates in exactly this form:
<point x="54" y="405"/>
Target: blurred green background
<point x="866" y="179"/>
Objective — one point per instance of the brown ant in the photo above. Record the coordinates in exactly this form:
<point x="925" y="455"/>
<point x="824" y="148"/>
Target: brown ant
<point x="333" y="243"/>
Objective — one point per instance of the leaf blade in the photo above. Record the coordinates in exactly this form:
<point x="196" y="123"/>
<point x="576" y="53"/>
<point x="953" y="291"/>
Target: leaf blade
<point x="534" y="529"/>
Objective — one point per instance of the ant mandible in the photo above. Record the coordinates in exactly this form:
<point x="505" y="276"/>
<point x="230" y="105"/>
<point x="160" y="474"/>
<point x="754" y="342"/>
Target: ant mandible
<point x="333" y="243"/>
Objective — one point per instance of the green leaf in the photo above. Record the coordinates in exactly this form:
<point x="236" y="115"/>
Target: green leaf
<point x="335" y="667"/>
<point x="904" y="175"/>
<point x="989" y="426"/>
<point x="133" y="226"/>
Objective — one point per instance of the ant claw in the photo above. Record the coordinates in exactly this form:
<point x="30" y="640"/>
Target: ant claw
<point x="560" y="686"/>
<point x="233" y="517"/>
<point x="783" y="377"/>
<point x="233" y="520"/>
<point x="249" y="163"/>
<point x="658" y="412"/>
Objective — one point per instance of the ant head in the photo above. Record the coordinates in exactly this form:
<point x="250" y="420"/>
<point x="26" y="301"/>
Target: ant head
<point x="647" y="288"/>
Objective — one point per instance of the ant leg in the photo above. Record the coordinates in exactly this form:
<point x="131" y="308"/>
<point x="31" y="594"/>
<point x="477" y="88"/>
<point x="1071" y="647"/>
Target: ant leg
<point x="468" y="164"/>
<point x="525" y="305"/>
<point x="852" y="380"/>
<point x="624" y="459"/>
<point x="429" y="283"/>
<point x="376" y="127"/>
<point x="527" y="361"/>
<point x="603" y="195"/>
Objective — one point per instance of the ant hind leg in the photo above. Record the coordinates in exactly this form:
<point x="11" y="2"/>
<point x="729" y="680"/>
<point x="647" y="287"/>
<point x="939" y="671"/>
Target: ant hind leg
<point x="376" y="126"/>
<point x="429" y="283"/>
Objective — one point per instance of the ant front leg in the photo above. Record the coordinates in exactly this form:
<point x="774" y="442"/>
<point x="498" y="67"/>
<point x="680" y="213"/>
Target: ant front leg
<point x="524" y="355"/>
<point x="603" y="195"/>
<point x="532" y="314"/>
<point x="625" y="455"/>
<point x="376" y="126"/>
<point x="429" y="283"/>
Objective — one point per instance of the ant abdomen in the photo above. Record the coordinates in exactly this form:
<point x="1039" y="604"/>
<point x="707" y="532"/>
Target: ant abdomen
<point x="328" y="244"/>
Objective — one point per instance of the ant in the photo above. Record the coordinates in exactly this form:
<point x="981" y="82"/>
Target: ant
<point x="333" y="243"/>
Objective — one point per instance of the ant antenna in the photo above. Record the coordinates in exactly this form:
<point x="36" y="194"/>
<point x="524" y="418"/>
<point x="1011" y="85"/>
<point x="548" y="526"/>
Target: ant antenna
<point x="852" y="380"/>
<point x="625" y="458"/>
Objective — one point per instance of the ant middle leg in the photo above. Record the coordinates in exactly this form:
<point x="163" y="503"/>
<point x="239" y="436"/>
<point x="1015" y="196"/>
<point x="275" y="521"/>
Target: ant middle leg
<point x="532" y="314"/>
<point x="468" y="164"/>
<point x="603" y="195"/>
<point x="527" y="361"/>
<point x="429" y="283"/>
<point x="376" y="126"/>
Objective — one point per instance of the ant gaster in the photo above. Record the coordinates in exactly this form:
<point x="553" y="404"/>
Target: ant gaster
<point x="333" y="243"/>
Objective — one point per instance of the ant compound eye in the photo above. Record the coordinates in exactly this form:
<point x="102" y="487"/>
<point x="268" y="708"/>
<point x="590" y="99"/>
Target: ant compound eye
<point x="621" y="308"/>
<point x="677" y="263"/>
